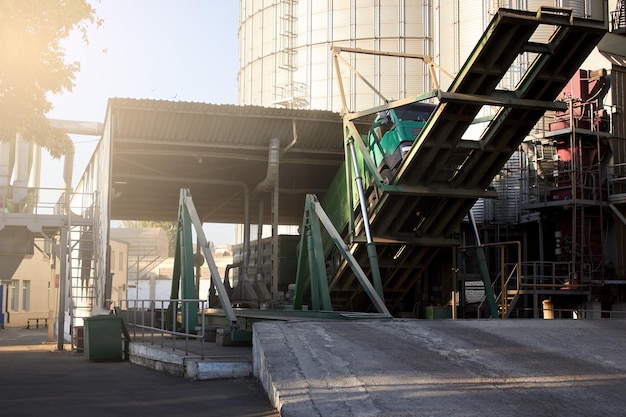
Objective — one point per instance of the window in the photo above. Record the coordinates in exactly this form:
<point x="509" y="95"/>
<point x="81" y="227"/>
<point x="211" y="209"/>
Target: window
<point x="26" y="295"/>
<point x="121" y="261"/>
<point x="14" y="295"/>
<point x="112" y="260"/>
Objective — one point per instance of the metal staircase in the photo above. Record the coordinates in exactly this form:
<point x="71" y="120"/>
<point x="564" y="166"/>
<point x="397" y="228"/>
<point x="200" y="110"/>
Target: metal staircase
<point x="83" y="294"/>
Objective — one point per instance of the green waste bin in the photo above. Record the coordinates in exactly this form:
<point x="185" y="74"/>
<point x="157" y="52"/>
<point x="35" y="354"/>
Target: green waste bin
<point x="103" y="338"/>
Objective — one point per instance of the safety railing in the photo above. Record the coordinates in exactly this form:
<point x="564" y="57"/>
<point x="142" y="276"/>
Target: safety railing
<point x="148" y="321"/>
<point x="562" y="187"/>
<point x="45" y="201"/>
<point x="577" y="313"/>
<point x="542" y="275"/>
<point x="617" y="181"/>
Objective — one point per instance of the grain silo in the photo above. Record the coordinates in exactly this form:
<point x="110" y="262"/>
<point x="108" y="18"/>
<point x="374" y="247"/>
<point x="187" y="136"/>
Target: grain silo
<point x="285" y="54"/>
<point x="459" y="24"/>
<point x="285" y="57"/>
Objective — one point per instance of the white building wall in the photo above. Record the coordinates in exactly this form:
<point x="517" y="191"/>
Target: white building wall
<point x="36" y="289"/>
<point x="119" y="270"/>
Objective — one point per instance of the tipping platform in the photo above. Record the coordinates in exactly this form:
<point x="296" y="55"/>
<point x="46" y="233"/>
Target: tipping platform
<point x="444" y="173"/>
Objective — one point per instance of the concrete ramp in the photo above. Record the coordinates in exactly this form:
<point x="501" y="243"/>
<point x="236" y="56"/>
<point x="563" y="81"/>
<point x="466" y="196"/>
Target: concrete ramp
<point x="443" y="368"/>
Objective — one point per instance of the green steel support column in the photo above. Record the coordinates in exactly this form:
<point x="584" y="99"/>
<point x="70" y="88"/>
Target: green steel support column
<point x="372" y="255"/>
<point x="484" y="272"/>
<point x="237" y="334"/>
<point x="312" y="250"/>
<point x="173" y="307"/>
<point x="377" y="301"/>
<point x="311" y="244"/>
<point x="302" y="257"/>
<point x="319" y="260"/>
<point x="313" y="271"/>
<point x="183" y="282"/>
<point x="188" y="284"/>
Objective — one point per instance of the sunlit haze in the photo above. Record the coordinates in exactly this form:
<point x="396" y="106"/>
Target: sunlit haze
<point x="179" y="50"/>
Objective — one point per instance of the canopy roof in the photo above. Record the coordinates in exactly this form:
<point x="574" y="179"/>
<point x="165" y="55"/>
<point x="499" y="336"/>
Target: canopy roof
<point x="218" y="151"/>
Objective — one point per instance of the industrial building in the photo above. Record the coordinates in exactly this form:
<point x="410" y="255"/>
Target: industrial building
<point x="546" y="219"/>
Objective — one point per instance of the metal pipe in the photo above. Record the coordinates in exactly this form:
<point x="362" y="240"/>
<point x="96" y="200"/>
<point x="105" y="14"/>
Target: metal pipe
<point x="68" y="173"/>
<point x="371" y="247"/>
<point x="73" y="127"/>
<point x="275" y="218"/>
<point x="484" y="273"/>
<point x="246" y="234"/>
<point x="34" y="173"/>
<point x="4" y="172"/>
<point x="272" y="169"/>
<point x="573" y="185"/>
<point x="19" y="177"/>
<point x="61" y="252"/>
<point x="259" y="244"/>
<point x="270" y="183"/>
<point x="600" y="196"/>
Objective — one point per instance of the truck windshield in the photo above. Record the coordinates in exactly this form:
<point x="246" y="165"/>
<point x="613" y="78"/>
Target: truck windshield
<point x="419" y="112"/>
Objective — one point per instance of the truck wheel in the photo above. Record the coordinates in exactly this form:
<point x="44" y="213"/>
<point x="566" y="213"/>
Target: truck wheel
<point x="387" y="174"/>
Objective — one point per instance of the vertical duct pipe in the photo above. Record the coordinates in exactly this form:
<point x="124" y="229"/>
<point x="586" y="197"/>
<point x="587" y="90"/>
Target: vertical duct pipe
<point x="272" y="169"/>
<point x="4" y="172"/>
<point x="19" y="179"/>
<point x="68" y="172"/>
<point x="267" y="185"/>
<point x="34" y="172"/>
<point x="246" y="233"/>
<point x="259" y="244"/>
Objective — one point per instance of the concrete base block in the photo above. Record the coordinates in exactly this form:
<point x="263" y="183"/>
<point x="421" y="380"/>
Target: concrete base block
<point x="210" y="333"/>
<point x="222" y="337"/>
<point x="226" y="337"/>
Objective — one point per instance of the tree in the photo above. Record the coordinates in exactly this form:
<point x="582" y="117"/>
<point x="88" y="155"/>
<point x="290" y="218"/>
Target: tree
<point x="33" y="65"/>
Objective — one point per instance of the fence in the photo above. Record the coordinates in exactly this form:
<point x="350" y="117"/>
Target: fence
<point x="148" y="321"/>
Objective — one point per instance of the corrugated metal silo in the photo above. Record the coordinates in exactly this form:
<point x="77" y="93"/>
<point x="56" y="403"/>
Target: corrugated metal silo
<point x="285" y="56"/>
<point x="459" y="25"/>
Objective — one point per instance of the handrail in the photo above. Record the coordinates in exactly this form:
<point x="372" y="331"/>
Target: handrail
<point x="147" y="327"/>
<point x="554" y="275"/>
<point x="504" y="283"/>
<point x="45" y="201"/>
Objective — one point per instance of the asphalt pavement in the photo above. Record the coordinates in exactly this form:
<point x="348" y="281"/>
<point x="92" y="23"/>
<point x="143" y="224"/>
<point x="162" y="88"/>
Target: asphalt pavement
<point x="38" y="380"/>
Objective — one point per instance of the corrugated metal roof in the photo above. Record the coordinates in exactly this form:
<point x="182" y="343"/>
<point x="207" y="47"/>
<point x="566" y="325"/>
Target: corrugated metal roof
<point x="162" y="146"/>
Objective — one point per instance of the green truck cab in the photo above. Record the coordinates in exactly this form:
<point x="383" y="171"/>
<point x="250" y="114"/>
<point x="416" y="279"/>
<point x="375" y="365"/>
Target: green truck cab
<point x="389" y="139"/>
<point x="392" y="134"/>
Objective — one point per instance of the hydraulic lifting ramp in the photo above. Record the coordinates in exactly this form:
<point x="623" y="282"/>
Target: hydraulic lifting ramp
<point x="184" y="285"/>
<point x="183" y="280"/>
<point x="443" y="175"/>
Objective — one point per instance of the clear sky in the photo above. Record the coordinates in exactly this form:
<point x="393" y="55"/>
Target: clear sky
<point x="184" y="50"/>
<point x="178" y="50"/>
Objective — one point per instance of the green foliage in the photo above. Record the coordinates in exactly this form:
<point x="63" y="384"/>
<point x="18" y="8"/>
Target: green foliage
<point x="33" y="64"/>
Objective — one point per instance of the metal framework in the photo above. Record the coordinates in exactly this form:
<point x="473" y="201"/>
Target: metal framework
<point x="183" y="273"/>
<point x="416" y="214"/>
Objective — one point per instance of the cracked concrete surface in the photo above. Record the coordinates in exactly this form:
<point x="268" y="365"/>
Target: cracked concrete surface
<point x="441" y="368"/>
